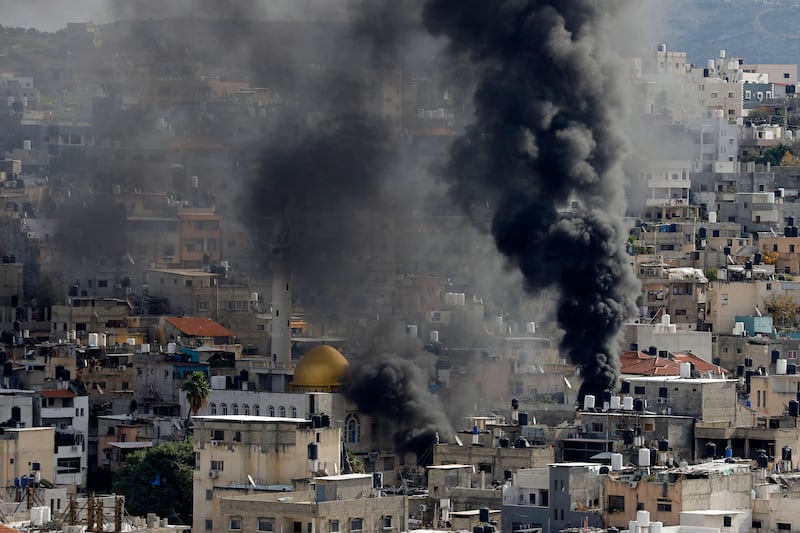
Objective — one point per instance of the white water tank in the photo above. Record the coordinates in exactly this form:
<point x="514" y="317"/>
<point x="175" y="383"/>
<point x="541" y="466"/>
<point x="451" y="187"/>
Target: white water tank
<point x="102" y="340"/>
<point x="145" y="347"/>
<point x="722" y="54"/>
<point x="94" y="339"/>
<point x="717" y="113"/>
<point x="616" y="462"/>
<point x="530" y="328"/>
<point x="710" y="64"/>
<point x="218" y="382"/>
<point x="642" y="518"/>
<point x="27" y="146"/>
<point x="434" y="336"/>
<point x="712" y="217"/>
<point x="627" y="403"/>
<point x="462" y="299"/>
<point x="616" y="402"/>
<point x="780" y="367"/>
<point x="171" y="347"/>
<point x="411" y="330"/>
<point x="644" y="457"/>
<point x="71" y="335"/>
<point x="254" y="298"/>
<point x="588" y="402"/>
<point x="655" y="527"/>
<point x="686" y="370"/>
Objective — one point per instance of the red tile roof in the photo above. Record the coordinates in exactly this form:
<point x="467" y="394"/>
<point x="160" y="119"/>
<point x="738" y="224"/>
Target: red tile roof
<point x="642" y="364"/>
<point x="57" y="393"/>
<point x="8" y="529"/>
<point x="199" y="327"/>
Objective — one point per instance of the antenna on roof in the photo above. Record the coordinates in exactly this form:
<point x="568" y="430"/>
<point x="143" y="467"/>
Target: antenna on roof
<point x="250" y="479"/>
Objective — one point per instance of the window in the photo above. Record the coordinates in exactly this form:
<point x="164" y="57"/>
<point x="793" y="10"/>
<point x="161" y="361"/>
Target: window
<point x="792" y="354"/>
<point x="664" y="507"/>
<point x="209" y="494"/>
<point x="724" y="298"/>
<point x="202" y="306"/>
<point x="271" y="410"/>
<point x="293" y="412"/>
<point x="387" y="522"/>
<point x="334" y="527"/>
<point x="197" y="460"/>
<point x="217" y="465"/>
<point x="783" y="526"/>
<point x="217" y="434"/>
<point x="209" y="525"/>
<point x="544" y="497"/>
<point x="224" y="408"/>
<point x="774" y="247"/>
<point x="236" y="523"/>
<point x="256" y="410"/>
<point x="212" y="408"/>
<point x="246" y="409"/>
<point x="266" y="524"/>
<point x="356" y="524"/>
<point x="616" y="504"/>
<point x="756" y="524"/>
<point x="281" y="411"/>
<point x="235" y="408"/>
<point x="638" y="389"/>
<point x="352" y="428"/>
<point x="791" y="248"/>
<point x="680" y="312"/>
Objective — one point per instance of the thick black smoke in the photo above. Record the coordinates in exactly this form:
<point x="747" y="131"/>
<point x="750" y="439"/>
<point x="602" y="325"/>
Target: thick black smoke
<point x="547" y="133"/>
<point x="389" y="384"/>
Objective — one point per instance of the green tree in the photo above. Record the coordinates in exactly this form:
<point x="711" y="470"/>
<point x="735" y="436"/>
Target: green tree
<point x="784" y="311"/>
<point x="197" y="390"/>
<point x="158" y="480"/>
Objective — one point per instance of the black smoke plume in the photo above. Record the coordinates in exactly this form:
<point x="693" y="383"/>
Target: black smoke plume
<point x="389" y="384"/>
<point x="547" y="134"/>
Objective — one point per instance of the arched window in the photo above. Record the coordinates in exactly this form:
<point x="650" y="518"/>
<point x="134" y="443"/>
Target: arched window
<point x="256" y="409"/>
<point x="224" y="408"/>
<point x="281" y="411"/>
<point x="246" y="409"/>
<point x="212" y="408"/>
<point x="271" y="410"/>
<point x="352" y="428"/>
<point x="235" y="408"/>
<point x="293" y="412"/>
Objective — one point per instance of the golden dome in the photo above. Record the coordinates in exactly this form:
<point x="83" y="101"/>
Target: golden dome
<point x="323" y="368"/>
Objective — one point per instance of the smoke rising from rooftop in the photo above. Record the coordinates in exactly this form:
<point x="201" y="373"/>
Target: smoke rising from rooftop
<point x="547" y="132"/>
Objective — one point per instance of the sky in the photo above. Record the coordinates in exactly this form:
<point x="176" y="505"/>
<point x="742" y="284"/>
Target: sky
<point x="53" y="15"/>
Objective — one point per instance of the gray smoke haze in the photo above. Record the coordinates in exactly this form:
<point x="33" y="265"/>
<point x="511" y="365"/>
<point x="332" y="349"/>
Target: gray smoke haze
<point x="547" y="131"/>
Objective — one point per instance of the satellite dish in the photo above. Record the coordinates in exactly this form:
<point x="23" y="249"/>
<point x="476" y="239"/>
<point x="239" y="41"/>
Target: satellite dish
<point x="250" y="479"/>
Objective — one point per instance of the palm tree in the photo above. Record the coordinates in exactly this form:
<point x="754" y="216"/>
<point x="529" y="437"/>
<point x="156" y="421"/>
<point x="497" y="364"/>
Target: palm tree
<point x="197" y="390"/>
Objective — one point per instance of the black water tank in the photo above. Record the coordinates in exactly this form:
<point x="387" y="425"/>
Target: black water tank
<point x="604" y="470"/>
<point x="748" y="265"/>
<point x="727" y="250"/>
<point x="606" y="396"/>
<point x="514" y="403"/>
<point x="504" y="442"/>
<point x="739" y="371"/>
<point x="625" y="387"/>
<point x="786" y="453"/>
<point x="16" y="414"/>
<point x="791" y="368"/>
<point x="653" y="457"/>
<point x="791" y="221"/>
<point x="710" y="450"/>
<point x="634" y="347"/>
<point x="663" y="445"/>
<point x="313" y="451"/>
<point x="507" y="474"/>
<point x="748" y="362"/>
<point x="523" y="419"/>
<point x="627" y="436"/>
<point x="762" y="461"/>
<point x="794" y="408"/>
<point x="316" y="421"/>
<point x="483" y="514"/>
<point x="326" y="421"/>
<point x="477" y="529"/>
<point x="663" y="354"/>
<point x="521" y="442"/>
<point x="377" y="480"/>
<point x="702" y="232"/>
<point x="663" y="392"/>
<point x="653" y="350"/>
<point x="775" y="356"/>
<point x="8" y="369"/>
<point x="638" y="404"/>
<point x="757" y="258"/>
<point x="612" y="530"/>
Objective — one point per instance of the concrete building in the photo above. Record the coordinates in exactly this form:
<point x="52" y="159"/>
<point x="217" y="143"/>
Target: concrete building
<point x="68" y="413"/>
<point x="230" y="450"/>
<point x="553" y="498"/>
<point x="669" y="493"/>
<point x="341" y="503"/>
